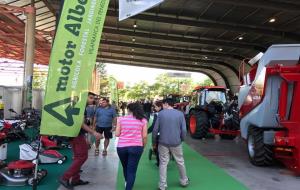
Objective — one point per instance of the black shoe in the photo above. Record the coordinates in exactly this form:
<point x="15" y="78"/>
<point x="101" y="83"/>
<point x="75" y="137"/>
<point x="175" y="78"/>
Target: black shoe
<point x="66" y="184"/>
<point x="80" y="182"/>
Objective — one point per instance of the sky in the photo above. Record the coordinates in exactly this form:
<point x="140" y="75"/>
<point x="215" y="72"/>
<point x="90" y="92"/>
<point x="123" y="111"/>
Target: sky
<point x="128" y="74"/>
<point x="133" y="74"/>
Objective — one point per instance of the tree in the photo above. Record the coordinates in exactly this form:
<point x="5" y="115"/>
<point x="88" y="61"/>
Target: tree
<point x="39" y="79"/>
<point x="165" y="85"/>
<point x="139" y="91"/>
<point x="104" y="79"/>
<point x="206" y="82"/>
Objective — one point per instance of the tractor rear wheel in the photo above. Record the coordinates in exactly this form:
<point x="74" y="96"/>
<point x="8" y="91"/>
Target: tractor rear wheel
<point x="260" y="154"/>
<point x="198" y="126"/>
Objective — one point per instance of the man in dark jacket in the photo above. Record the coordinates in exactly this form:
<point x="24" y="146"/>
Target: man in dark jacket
<point x="171" y="126"/>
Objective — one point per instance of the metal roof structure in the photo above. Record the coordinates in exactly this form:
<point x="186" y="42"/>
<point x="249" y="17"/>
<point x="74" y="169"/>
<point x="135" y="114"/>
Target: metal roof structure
<point x="208" y="36"/>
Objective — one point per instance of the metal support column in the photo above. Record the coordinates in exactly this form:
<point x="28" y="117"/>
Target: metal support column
<point x="29" y="55"/>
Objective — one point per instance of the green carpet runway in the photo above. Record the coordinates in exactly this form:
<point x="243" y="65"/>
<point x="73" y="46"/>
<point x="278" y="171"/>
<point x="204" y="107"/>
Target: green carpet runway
<point x="203" y="174"/>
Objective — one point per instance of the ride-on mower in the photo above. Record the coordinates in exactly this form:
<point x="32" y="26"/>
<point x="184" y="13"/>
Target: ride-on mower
<point x="269" y="100"/>
<point x="208" y="113"/>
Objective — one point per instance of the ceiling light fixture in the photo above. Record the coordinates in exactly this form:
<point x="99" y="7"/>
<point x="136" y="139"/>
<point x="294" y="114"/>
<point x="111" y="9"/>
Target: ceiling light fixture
<point x="272" y="20"/>
<point x="241" y="38"/>
<point x="220" y="49"/>
<point x="205" y="57"/>
<point x="133" y="39"/>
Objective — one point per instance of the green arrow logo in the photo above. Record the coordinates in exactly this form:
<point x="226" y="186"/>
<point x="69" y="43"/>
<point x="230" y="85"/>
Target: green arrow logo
<point x="70" y="110"/>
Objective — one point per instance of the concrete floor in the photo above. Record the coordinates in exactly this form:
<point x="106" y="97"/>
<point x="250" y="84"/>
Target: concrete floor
<point x="231" y="155"/>
<point x="100" y="171"/>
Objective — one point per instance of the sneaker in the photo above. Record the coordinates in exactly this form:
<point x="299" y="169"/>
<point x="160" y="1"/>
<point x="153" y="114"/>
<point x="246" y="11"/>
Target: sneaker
<point x="80" y="182"/>
<point x="163" y="188"/>
<point x="186" y="183"/>
<point x="66" y="184"/>
<point x="104" y="153"/>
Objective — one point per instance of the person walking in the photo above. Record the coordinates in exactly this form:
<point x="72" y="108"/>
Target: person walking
<point x="132" y="133"/>
<point x="147" y="106"/>
<point x="89" y="114"/>
<point x="158" y="107"/>
<point x="171" y="126"/>
<point x="104" y="120"/>
<point x="71" y="177"/>
<point x="123" y="107"/>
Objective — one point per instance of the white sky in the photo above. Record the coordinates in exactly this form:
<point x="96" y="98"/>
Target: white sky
<point x="127" y="74"/>
<point x="133" y="74"/>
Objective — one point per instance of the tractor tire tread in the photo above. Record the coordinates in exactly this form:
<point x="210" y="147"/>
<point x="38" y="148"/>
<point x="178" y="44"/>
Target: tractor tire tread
<point x="263" y="153"/>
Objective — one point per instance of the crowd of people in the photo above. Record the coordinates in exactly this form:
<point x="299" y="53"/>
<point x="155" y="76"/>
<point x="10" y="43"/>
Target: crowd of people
<point x="101" y="119"/>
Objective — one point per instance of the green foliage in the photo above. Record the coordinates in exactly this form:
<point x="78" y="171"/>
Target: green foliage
<point x="39" y="80"/>
<point x="163" y="86"/>
<point x="206" y="82"/>
<point x="104" y="79"/>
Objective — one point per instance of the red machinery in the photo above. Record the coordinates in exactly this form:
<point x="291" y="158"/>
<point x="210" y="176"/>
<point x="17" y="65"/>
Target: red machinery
<point x="207" y="113"/>
<point x="20" y="173"/>
<point x="269" y="108"/>
<point x="180" y="102"/>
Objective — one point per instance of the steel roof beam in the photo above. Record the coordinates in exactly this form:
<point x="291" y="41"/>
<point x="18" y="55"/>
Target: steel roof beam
<point x="214" y="42"/>
<point x="49" y="6"/>
<point x="158" y="62"/>
<point x="266" y="4"/>
<point x="171" y="19"/>
<point x="171" y="49"/>
<point x="171" y="58"/>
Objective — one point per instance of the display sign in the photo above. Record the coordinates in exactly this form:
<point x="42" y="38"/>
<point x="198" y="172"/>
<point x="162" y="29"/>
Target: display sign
<point x="180" y="75"/>
<point x="129" y="8"/>
<point x="72" y="61"/>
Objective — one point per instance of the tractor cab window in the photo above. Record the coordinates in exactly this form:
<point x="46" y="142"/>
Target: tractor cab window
<point x="259" y="83"/>
<point x="202" y="97"/>
<point x="215" y="96"/>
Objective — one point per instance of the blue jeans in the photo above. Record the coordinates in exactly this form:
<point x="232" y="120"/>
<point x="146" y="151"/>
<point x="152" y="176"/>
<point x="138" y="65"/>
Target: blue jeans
<point x="130" y="157"/>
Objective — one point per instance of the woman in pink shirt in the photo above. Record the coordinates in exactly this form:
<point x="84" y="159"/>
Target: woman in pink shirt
<point x="132" y="133"/>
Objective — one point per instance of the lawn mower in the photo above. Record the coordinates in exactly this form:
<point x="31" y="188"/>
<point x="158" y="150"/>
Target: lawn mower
<point x="20" y="173"/>
<point x="55" y="142"/>
<point x="269" y="100"/>
<point x="29" y="152"/>
<point x="3" y="148"/>
<point x="14" y="130"/>
<point x="207" y="113"/>
<point x="31" y="116"/>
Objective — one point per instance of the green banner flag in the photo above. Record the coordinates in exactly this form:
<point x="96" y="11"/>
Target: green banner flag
<point x="72" y="60"/>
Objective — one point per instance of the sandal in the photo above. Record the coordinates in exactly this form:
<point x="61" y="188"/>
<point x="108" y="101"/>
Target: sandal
<point x="104" y="153"/>
<point x="96" y="152"/>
